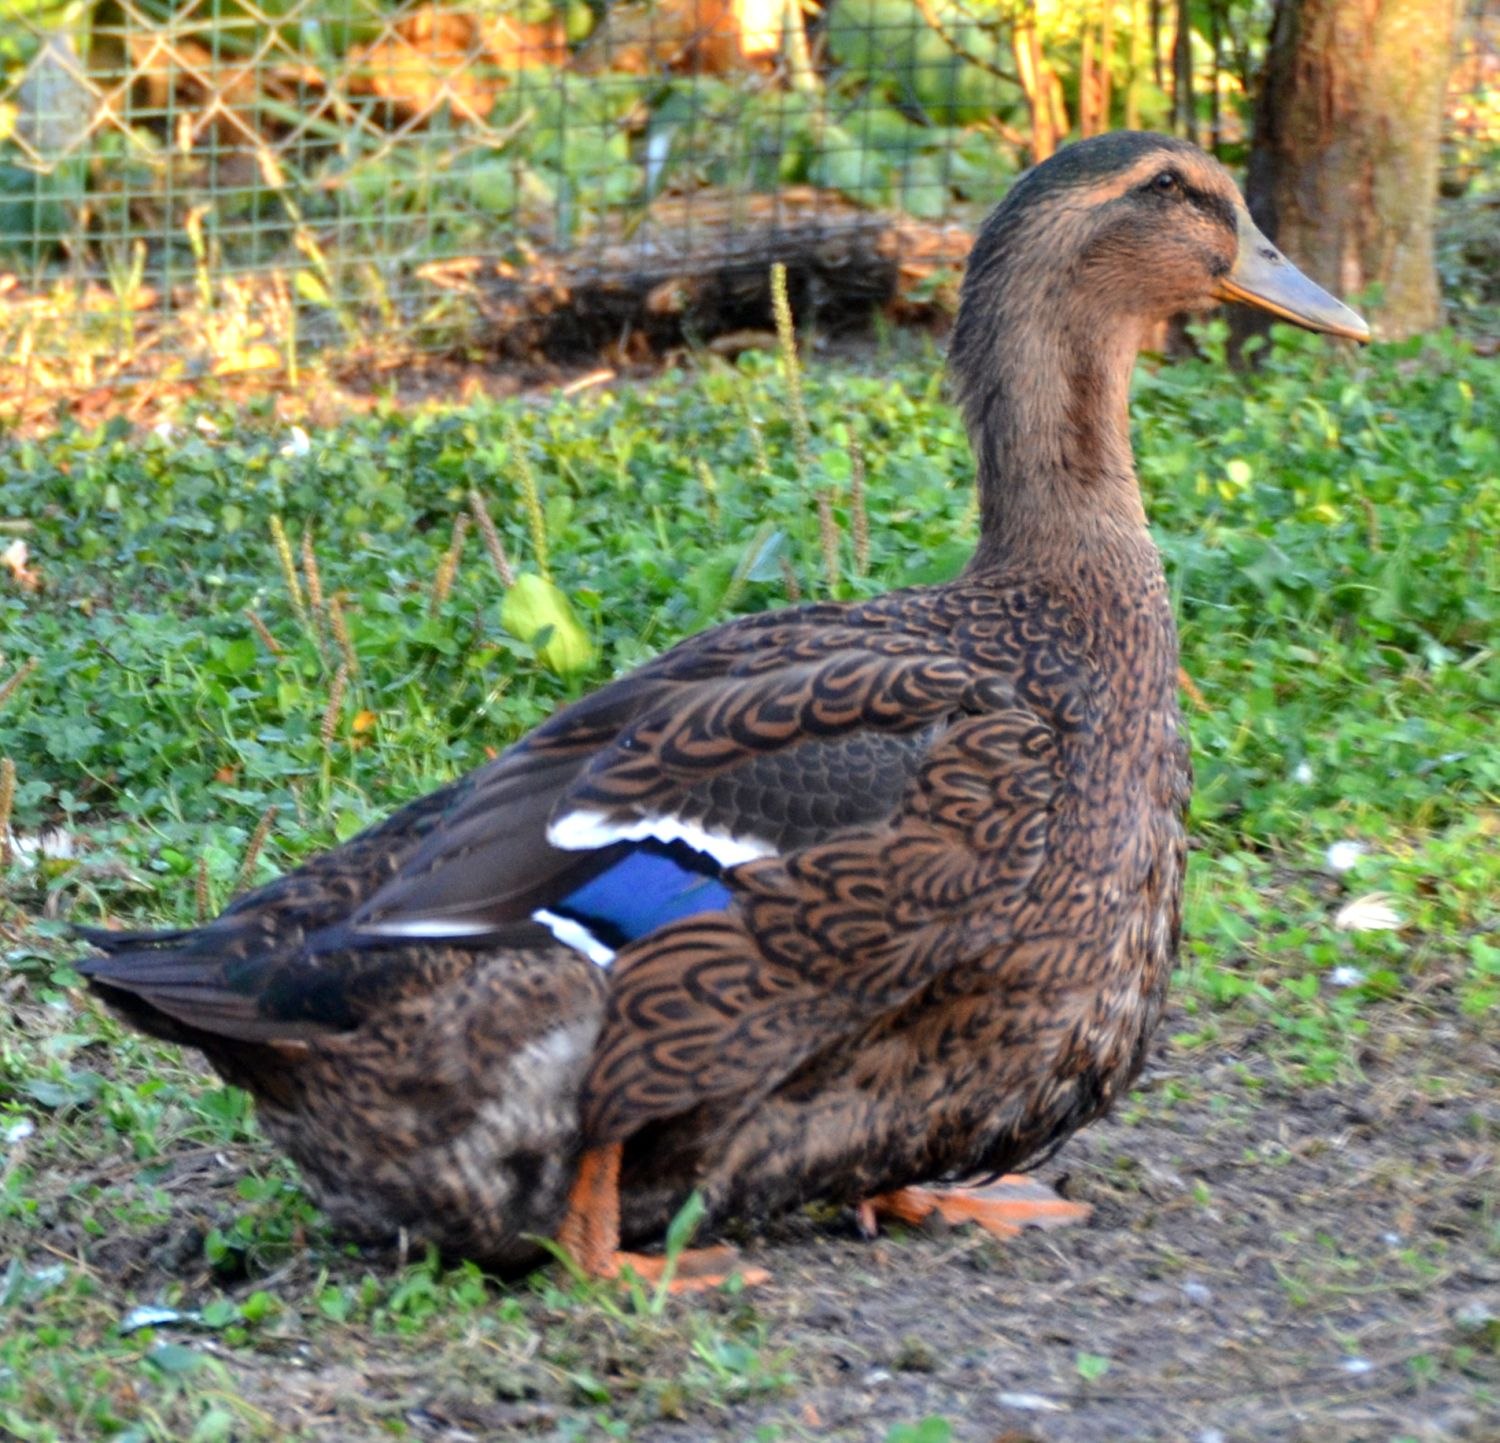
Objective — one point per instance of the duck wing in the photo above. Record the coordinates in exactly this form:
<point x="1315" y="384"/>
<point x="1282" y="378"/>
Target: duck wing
<point x="755" y="739"/>
<point x="469" y="868"/>
<point x="629" y="814"/>
<point x="826" y="939"/>
<point x="271" y="968"/>
<point x="868" y="789"/>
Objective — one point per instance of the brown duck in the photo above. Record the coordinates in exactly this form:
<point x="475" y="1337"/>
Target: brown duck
<point x="821" y="904"/>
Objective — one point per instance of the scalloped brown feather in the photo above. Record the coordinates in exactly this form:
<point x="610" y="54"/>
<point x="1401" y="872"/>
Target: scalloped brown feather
<point x="957" y="987"/>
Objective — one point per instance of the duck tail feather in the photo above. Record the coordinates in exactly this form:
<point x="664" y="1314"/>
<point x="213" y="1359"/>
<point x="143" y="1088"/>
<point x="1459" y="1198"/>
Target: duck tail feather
<point x="108" y="940"/>
<point x="176" y="985"/>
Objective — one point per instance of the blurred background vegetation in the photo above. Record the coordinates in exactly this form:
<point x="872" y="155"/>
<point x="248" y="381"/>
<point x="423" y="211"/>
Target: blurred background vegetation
<point x="195" y="187"/>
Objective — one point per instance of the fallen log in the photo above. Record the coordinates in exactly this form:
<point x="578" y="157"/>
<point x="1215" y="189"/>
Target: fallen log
<point x="697" y="266"/>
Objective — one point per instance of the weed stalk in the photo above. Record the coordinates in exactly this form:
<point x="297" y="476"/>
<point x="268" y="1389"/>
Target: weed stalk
<point x="828" y="539"/>
<point x="791" y="367"/>
<point x="327" y="733"/>
<point x="253" y="850"/>
<point x="338" y="624"/>
<point x="442" y="583"/>
<point x="536" y="519"/>
<point x="314" y="589"/>
<point x="859" y="518"/>
<point x="17" y="679"/>
<point x="791" y="370"/>
<point x="263" y="632"/>
<point x="289" y="572"/>
<point x="757" y="440"/>
<point x="311" y="572"/>
<point x="331" y="712"/>
<point x="7" y="802"/>
<point x="710" y="491"/>
<point x="491" y="539"/>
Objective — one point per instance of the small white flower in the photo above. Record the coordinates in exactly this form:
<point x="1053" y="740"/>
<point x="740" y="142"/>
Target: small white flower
<point x="15" y="559"/>
<point x="1302" y="772"/>
<point x="297" y="444"/>
<point x="1371" y="913"/>
<point x="45" y="846"/>
<point x="18" y="1131"/>
<point x="1346" y="976"/>
<point x="1356" y="1366"/>
<point x="151" y="1315"/>
<point x="1341" y="856"/>
<point x="164" y="431"/>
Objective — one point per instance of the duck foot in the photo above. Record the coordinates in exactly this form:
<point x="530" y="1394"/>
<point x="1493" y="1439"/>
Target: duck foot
<point x="591" y="1234"/>
<point x="1001" y="1208"/>
<point x="698" y="1269"/>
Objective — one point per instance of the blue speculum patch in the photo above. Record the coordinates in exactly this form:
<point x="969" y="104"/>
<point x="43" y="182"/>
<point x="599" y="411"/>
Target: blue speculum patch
<point x="650" y="884"/>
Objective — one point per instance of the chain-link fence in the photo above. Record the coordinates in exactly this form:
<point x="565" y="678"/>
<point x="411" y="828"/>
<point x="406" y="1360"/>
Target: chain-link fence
<point x="192" y="187"/>
<point x="219" y="184"/>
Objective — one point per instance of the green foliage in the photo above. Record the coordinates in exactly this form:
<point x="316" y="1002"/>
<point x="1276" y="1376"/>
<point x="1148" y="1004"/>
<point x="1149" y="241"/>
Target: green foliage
<point x="1336" y="601"/>
<point x="1326" y="526"/>
<point x="536" y="612"/>
<point x="558" y="152"/>
<point x="929" y="1430"/>
<point x="889" y="46"/>
<point x="1336" y="593"/>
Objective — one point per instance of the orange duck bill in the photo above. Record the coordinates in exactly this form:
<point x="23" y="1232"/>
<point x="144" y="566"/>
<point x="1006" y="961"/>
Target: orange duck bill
<point x="1264" y="278"/>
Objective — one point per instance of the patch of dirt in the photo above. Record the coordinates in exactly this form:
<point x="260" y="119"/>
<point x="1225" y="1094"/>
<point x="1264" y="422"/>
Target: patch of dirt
<point x="1265" y="1262"/>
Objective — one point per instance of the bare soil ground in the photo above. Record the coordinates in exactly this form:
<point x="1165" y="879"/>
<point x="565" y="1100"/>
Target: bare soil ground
<point x="1265" y="1262"/>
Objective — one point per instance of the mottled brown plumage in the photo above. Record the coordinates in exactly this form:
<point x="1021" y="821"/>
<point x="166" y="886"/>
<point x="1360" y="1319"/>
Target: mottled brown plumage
<point x="429" y="1088"/>
<point x="916" y="863"/>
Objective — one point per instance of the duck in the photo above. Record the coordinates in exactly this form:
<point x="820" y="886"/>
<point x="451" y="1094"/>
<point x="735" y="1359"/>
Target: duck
<point x="844" y="902"/>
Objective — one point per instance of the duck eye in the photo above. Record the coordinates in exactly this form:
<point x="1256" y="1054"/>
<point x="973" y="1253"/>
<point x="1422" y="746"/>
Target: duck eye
<point x="1166" y="183"/>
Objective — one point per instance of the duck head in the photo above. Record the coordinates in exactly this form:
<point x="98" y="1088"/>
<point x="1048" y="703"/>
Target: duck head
<point x="1067" y="277"/>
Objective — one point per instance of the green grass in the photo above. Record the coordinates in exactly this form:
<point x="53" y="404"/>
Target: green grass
<point x="1328" y="526"/>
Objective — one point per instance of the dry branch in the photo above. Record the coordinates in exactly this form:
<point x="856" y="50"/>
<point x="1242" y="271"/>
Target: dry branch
<point x="698" y="266"/>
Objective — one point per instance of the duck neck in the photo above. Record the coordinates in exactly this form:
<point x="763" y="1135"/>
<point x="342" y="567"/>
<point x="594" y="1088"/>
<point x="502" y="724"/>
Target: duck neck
<point x="1049" y="420"/>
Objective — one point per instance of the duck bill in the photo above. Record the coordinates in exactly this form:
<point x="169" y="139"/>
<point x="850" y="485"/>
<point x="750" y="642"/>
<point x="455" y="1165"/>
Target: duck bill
<point x="1264" y="278"/>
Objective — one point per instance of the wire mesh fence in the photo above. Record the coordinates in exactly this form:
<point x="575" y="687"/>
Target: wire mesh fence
<point x="222" y="183"/>
<point x="194" y="187"/>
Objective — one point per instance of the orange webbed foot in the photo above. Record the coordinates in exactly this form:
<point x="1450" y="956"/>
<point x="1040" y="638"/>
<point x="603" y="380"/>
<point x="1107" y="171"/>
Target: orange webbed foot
<point x="698" y="1269"/>
<point x="1001" y="1208"/>
<point x="590" y="1233"/>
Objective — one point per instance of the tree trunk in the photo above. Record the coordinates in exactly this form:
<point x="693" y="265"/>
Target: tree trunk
<point x="1137" y="64"/>
<point x="1156" y="43"/>
<point x="1038" y="85"/>
<point x="1184" y="117"/>
<point x="1343" y="168"/>
<point x="1087" y="83"/>
<point x="1106" y="60"/>
<point x="1214" y="127"/>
